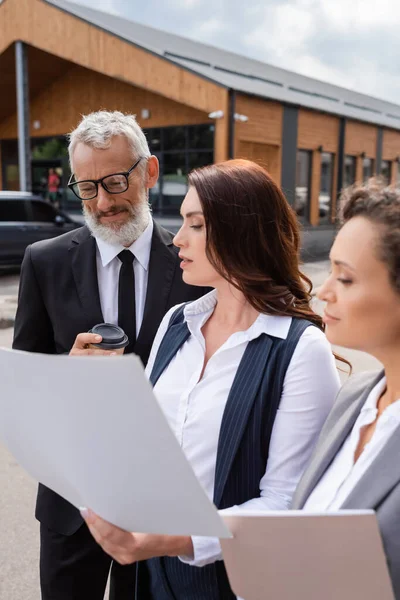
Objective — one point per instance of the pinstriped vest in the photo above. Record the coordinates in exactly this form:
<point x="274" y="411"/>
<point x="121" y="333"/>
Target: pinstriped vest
<point x="241" y="456"/>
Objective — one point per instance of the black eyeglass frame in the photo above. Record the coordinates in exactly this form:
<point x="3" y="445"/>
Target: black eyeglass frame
<point x="100" y="181"/>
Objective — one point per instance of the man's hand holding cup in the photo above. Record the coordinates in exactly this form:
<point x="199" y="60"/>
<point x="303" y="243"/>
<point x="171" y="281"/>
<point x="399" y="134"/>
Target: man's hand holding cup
<point x="104" y="339"/>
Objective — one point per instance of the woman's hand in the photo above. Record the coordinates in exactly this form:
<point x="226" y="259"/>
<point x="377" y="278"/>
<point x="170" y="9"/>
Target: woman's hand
<point x="127" y="548"/>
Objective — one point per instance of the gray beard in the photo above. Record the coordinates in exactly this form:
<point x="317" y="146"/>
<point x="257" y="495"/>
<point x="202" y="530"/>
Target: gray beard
<point x="124" y="234"/>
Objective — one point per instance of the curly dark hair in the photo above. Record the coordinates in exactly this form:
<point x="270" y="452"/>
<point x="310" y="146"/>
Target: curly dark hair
<point x="253" y="237"/>
<point x="380" y="204"/>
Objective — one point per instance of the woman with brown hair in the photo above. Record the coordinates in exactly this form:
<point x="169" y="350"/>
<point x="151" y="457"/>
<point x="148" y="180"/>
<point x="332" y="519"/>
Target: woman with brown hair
<point x="244" y="375"/>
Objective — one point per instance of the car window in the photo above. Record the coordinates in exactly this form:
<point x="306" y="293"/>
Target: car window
<point x="40" y="211"/>
<point x="13" y="210"/>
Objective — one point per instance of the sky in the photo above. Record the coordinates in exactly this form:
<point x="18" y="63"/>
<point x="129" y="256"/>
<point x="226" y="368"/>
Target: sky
<point x="352" y="43"/>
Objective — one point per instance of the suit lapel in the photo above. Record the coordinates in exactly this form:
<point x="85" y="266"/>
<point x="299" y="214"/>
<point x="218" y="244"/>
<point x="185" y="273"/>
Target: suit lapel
<point x="331" y="443"/>
<point x="84" y="268"/>
<point x="238" y="406"/>
<point x="162" y="266"/>
<point x="381" y="477"/>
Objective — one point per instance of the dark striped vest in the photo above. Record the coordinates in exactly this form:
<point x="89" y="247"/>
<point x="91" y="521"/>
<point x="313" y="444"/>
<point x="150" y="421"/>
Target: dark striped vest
<point x="242" y="453"/>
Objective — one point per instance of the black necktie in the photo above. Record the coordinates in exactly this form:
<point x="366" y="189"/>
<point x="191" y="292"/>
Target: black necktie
<point x="126" y="298"/>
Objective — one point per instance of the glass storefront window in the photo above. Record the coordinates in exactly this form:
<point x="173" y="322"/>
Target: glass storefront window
<point x="49" y="148"/>
<point x="174" y="181"/>
<point x="11" y="177"/>
<point x="174" y="138"/>
<point x="201" y="136"/>
<point x="349" y="173"/>
<point x="200" y="159"/>
<point x="386" y="171"/>
<point x="368" y="168"/>
<point x="178" y="149"/>
<point x="154" y="139"/>
<point x="303" y="187"/>
<point x="326" y="187"/>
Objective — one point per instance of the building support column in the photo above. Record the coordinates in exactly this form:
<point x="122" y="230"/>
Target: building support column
<point x="394" y="179"/>
<point x="289" y="152"/>
<point x="222" y="131"/>
<point x="232" y="111"/>
<point x="315" y="187"/>
<point x="379" y="151"/>
<point x="340" y="167"/>
<point x="359" y="169"/>
<point x="24" y="146"/>
<point x="1" y="169"/>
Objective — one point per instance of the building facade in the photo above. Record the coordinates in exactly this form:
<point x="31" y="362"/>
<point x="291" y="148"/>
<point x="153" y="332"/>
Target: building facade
<point x="197" y="104"/>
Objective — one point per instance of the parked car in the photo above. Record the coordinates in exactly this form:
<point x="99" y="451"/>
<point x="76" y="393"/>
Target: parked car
<point x="24" y="219"/>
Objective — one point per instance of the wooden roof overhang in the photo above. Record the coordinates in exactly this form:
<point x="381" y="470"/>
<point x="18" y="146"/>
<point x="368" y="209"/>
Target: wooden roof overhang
<point x="57" y="39"/>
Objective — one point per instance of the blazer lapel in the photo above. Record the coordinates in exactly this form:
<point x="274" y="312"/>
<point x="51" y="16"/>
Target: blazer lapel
<point x="381" y="477"/>
<point x="162" y="266"/>
<point x="331" y="441"/>
<point x="238" y="406"/>
<point x="84" y="268"/>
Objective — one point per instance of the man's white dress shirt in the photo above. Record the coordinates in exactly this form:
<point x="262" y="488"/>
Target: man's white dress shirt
<point x="343" y="474"/>
<point x="195" y="408"/>
<point x="108" y="266"/>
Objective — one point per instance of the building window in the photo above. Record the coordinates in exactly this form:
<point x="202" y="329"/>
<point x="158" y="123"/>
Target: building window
<point x="368" y="168"/>
<point x="179" y="150"/>
<point x="326" y="188"/>
<point x="386" y="171"/>
<point x="303" y="185"/>
<point x="349" y="175"/>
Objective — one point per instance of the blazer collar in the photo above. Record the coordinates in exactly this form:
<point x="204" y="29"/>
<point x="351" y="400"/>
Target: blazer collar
<point x="83" y="261"/>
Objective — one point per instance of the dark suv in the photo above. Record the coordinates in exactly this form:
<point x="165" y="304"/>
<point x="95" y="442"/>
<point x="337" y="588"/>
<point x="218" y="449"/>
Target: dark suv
<point x="24" y="219"/>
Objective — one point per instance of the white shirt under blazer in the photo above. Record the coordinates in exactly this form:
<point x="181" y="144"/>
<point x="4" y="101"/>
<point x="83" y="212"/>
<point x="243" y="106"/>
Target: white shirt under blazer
<point x="108" y="267"/>
<point x="194" y="407"/>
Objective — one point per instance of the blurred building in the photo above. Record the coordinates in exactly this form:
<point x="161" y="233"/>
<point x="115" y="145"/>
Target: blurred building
<point x="197" y="104"/>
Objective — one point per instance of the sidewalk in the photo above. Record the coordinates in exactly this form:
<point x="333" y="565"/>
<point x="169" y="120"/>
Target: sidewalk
<point x="8" y="308"/>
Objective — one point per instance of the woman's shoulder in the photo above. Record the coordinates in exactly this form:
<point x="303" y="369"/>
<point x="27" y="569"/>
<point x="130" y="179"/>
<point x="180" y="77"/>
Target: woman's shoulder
<point x="358" y="383"/>
<point x="313" y="337"/>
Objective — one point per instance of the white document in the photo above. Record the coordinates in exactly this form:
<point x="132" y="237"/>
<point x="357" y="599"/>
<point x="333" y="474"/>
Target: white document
<point x="298" y="555"/>
<point x="91" y="429"/>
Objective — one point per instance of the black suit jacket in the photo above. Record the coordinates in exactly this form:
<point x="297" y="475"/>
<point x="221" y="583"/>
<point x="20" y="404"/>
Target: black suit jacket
<point x="59" y="298"/>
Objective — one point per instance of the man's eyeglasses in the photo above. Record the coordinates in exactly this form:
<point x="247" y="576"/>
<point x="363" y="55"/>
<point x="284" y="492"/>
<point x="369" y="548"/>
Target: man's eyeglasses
<point x="113" y="184"/>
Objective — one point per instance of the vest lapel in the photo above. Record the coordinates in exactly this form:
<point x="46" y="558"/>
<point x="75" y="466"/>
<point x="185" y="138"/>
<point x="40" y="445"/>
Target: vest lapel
<point x="175" y="337"/>
<point x="238" y="406"/>
<point x="84" y="268"/>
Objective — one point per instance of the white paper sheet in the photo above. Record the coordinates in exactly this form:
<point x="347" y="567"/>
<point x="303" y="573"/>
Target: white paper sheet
<point x="91" y="429"/>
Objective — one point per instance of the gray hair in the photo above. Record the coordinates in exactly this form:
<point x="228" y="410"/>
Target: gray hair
<point x="98" y="128"/>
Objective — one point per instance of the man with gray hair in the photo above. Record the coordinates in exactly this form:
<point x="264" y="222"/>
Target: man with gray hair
<point x="120" y="268"/>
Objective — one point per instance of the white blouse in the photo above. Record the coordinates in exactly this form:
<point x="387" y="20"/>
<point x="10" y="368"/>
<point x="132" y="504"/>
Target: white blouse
<point x="195" y="408"/>
<point x="343" y="474"/>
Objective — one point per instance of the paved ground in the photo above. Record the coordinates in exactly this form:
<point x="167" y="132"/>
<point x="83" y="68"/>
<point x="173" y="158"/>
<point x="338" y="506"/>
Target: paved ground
<point x="18" y="528"/>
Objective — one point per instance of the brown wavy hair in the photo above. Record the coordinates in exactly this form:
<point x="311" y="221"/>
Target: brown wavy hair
<point x="253" y="237"/>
